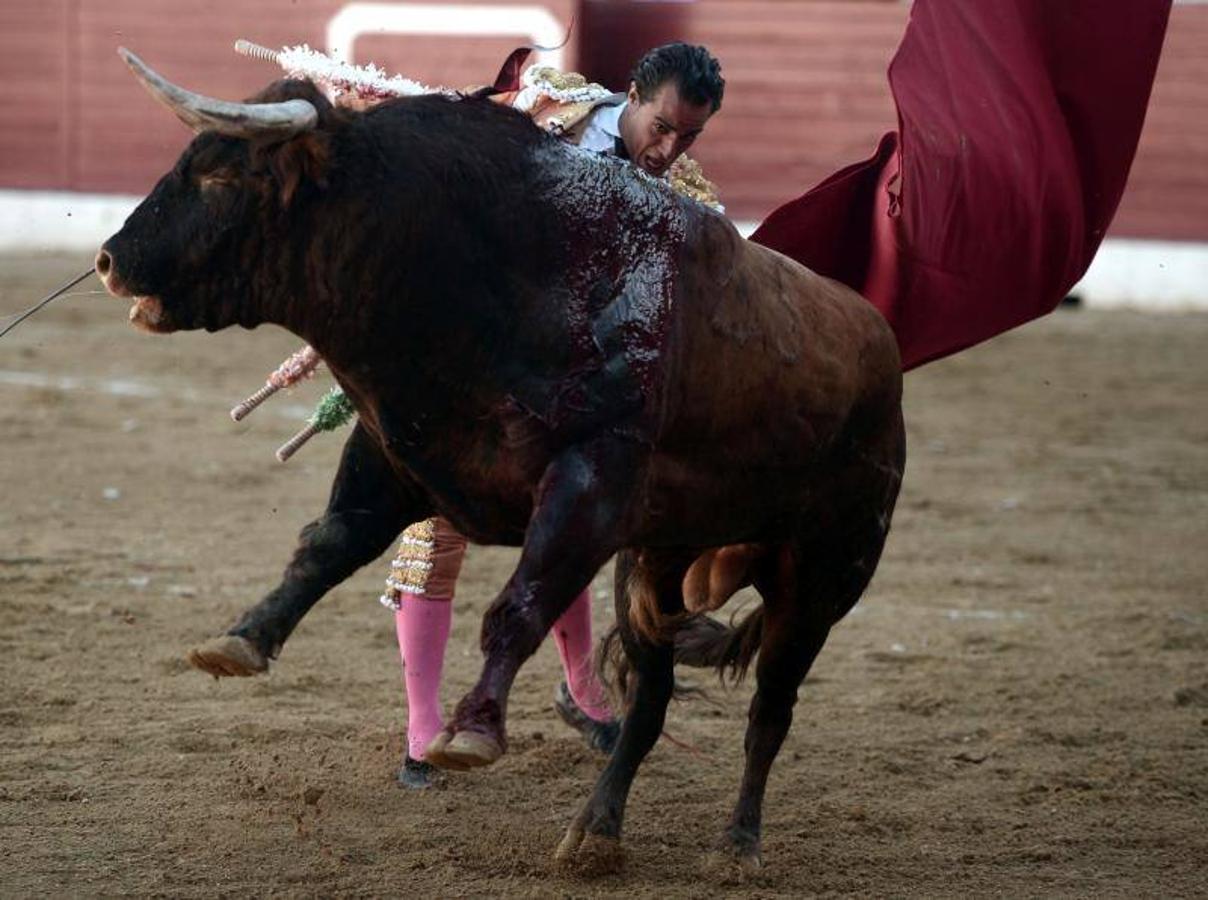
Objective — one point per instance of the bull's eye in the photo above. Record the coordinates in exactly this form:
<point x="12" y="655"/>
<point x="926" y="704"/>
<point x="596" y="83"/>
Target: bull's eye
<point x="214" y="184"/>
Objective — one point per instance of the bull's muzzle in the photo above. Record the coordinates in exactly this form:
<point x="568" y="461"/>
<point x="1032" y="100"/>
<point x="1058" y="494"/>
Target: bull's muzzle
<point x="104" y="264"/>
<point x="146" y="312"/>
<point x="106" y="270"/>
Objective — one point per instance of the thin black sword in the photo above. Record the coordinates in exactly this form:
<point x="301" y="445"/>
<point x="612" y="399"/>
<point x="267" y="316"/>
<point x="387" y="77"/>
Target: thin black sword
<point x="29" y="312"/>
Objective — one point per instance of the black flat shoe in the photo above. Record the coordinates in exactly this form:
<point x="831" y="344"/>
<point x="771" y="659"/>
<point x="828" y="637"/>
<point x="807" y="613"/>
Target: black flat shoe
<point x="419" y="775"/>
<point x="599" y="736"/>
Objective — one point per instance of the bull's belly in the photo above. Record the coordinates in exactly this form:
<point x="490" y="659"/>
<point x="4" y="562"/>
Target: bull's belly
<point x="749" y="487"/>
<point x="700" y="505"/>
<point x="489" y="515"/>
<point x="486" y="503"/>
<point x="482" y="522"/>
<point x="674" y="506"/>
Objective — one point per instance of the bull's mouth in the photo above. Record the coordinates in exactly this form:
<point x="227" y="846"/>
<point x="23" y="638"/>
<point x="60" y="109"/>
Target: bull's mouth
<point x="147" y="314"/>
<point x="146" y="311"/>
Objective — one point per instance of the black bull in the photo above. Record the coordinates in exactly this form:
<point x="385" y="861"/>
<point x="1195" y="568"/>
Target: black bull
<point x="555" y="352"/>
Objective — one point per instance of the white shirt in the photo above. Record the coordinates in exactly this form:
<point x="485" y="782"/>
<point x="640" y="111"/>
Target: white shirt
<point x="602" y="132"/>
<point x="603" y="129"/>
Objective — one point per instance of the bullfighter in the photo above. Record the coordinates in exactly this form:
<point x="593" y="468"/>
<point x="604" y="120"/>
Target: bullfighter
<point x="673" y="92"/>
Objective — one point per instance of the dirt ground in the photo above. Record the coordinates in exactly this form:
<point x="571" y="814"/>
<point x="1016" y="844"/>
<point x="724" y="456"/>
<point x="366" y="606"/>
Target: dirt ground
<point x="1019" y="705"/>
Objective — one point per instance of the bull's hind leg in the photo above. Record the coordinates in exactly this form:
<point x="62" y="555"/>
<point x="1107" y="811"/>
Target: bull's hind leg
<point x="792" y="636"/>
<point x="365" y="512"/>
<point x="806" y="589"/>
<point x="592" y="843"/>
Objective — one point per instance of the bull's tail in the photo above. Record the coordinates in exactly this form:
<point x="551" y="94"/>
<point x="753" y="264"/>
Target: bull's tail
<point x="701" y="642"/>
<point x="705" y="643"/>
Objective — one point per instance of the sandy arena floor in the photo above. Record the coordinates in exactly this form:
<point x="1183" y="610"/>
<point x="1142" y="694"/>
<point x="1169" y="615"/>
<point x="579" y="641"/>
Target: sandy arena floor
<point x="1018" y="707"/>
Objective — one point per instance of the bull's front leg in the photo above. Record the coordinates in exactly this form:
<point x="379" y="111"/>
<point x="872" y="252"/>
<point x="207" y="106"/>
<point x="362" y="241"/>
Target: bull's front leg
<point x="366" y="511"/>
<point x="575" y="528"/>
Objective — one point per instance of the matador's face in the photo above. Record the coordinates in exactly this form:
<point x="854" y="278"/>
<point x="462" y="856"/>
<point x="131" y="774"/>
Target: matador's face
<point x="658" y="130"/>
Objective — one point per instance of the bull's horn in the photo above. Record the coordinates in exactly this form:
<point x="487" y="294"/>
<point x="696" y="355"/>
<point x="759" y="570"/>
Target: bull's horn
<point x="247" y="120"/>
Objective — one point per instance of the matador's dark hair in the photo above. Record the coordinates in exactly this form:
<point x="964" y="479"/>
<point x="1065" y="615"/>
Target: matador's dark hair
<point x="695" y="72"/>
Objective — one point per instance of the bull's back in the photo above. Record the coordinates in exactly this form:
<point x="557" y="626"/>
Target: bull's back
<point x="763" y="349"/>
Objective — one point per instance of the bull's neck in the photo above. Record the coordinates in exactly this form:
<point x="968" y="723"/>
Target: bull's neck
<point x="309" y="286"/>
<point x="278" y="287"/>
<point x="414" y="311"/>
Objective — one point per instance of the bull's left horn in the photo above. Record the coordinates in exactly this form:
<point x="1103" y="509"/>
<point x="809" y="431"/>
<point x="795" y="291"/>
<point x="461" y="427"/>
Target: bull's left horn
<point x="280" y="120"/>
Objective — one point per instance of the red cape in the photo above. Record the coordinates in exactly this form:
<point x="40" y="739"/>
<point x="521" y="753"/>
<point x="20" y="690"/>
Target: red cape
<point x="1017" y="124"/>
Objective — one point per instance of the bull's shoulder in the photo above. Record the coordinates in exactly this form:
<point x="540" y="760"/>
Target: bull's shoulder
<point x="749" y="294"/>
<point x="813" y="285"/>
<point x="712" y="249"/>
<point x="862" y="328"/>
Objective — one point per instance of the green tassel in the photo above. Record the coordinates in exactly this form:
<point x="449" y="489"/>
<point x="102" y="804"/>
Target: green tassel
<point x="334" y="411"/>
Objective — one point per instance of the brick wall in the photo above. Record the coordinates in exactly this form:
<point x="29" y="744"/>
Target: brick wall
<point x="75" y="119"/>
<point x="806" y="92"/>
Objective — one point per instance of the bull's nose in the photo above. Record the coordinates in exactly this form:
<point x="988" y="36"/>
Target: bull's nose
<point x="104" y="263"/>
<point x="106" y="270"/>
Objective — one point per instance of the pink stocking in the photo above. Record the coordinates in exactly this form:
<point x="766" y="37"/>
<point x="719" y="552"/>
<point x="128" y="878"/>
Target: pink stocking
<point x="572" y="634"/>
<point x="423" y="631"/>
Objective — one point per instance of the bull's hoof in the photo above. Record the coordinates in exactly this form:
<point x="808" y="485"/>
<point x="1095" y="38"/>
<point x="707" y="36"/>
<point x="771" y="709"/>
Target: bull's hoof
<point x="732" y="865"/>
<point x="463" y="750"/>
<point x="589" y="855"/>
<point x="228" y="655"/>
<point x="419" y="775"/>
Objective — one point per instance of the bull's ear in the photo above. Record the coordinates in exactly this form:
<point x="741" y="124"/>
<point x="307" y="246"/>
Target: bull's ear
<point x="302" y="160"/>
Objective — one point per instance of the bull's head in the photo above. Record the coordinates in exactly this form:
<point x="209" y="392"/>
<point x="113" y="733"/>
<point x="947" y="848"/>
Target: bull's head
<point x="194" y="252"/>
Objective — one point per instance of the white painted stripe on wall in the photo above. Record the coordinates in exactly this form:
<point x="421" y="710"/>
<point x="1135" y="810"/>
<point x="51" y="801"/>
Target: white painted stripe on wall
<point x="1137" y="274"/>
<point x="133" y="387"/>
<point x="532" y="21"/>
<point x="60" y="220"/>
<point x="1151" y="275"/>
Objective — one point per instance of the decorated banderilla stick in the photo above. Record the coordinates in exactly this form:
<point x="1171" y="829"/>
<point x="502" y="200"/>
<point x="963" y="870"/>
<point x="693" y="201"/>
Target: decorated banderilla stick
<point x="334" y="411"/>
<point x="367" y="82"/>
<point x="300" y="365"/>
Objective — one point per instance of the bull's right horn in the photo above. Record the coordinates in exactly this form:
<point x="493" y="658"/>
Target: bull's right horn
<point x="246" y="120"/>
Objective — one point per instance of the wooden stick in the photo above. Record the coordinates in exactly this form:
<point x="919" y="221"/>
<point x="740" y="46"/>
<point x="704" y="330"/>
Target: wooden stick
<point x="241" y="411"/>
<point x="255" y="51"/>
<point x="290" y="447"/>
<point x="299" y="365"/>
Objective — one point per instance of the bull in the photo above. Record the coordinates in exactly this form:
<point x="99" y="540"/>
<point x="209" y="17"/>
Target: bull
<point x="555" y="352"/>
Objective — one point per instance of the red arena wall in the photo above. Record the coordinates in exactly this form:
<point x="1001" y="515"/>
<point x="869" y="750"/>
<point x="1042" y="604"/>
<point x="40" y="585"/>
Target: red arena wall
<point x="806" y="88"/>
